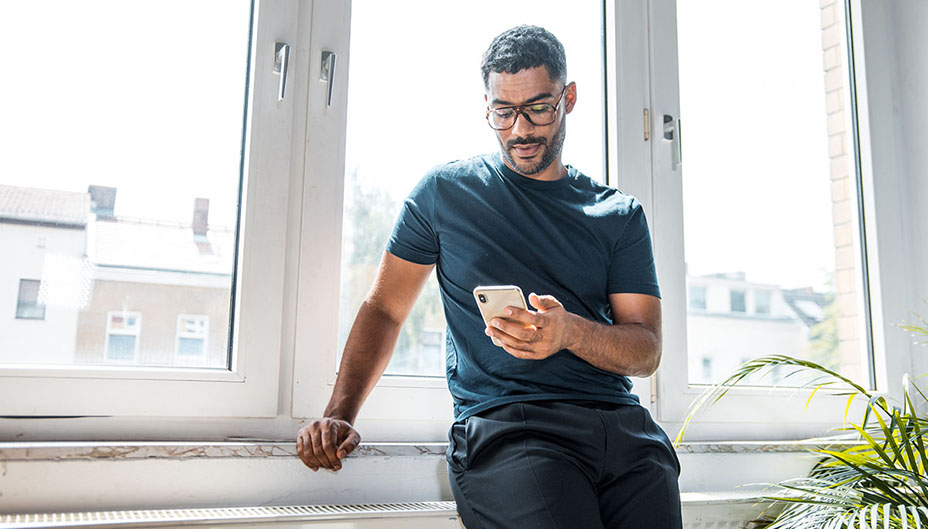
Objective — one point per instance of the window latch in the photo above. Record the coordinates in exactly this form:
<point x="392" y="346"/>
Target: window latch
<point x="327" y="74"/>
<point x="673" y="135"/>
<point x="281" y="65"/>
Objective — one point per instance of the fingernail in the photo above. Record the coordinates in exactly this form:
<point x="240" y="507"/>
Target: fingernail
<point x="509" y="312"/>
<point x="496" y="323"/>
<point x="338" y="467"/>
<point x="341" y="454"/>
<point x="314" y="469"/>
<point x="487" y="331"/>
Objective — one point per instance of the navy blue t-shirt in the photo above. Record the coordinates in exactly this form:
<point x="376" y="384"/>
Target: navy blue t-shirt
<point x="573" y="238"/>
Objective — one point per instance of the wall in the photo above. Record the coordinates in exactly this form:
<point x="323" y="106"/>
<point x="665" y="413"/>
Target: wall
<point x="25" y="248"/>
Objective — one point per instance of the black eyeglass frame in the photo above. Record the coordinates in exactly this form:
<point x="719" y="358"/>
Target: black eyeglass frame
<point x="520" y="111"/>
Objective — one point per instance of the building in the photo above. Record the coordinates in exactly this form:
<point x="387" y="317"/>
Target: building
<point x="44" y="278"/>
<point x="731" y="320"/>
<point x="107" y="289"/>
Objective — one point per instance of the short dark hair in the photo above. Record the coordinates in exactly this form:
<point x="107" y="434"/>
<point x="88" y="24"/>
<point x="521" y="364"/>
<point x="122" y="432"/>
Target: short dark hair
<point x="524" y="47"/>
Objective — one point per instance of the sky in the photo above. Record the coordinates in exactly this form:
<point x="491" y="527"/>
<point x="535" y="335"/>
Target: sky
<point x="132" y="95"/>
<point x="757" y="190"/>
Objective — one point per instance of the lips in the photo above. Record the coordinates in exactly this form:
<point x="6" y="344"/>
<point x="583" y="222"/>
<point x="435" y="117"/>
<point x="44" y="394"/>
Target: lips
<point x="526" y="150"/>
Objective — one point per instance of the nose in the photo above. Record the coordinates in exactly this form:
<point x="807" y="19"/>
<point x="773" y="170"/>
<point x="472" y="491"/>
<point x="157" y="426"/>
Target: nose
<point x="522" y="127"/>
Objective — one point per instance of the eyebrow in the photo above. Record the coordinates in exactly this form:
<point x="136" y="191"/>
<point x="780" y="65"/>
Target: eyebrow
<point x="527" y="102"/>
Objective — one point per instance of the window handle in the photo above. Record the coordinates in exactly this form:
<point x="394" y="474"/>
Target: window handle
<point x="673" y="134"/>
<point x="281" y="65"/>
<point x="327" y="74"/>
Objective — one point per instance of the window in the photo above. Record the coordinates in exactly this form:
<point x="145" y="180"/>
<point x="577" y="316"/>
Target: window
<point x="28" y="306"/>
<point x="799" y="91"/>
<point x="388" y="149"/>
<point x="762" y="302"/>
<point x="706" y="368"/>
<point x="697" y="298"/>
<point x="122" y="337"/>
<point x="272" y="258"/>
<point x="180" y="215"/>
<point x="380" y="171"/>
<point x="192" y="339"/>
<point x="736" y="301"/>
<point x="807" y="141"/>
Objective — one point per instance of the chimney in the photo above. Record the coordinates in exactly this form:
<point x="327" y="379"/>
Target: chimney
<point x="102" y="202"/>
<point x="200" y="216"/>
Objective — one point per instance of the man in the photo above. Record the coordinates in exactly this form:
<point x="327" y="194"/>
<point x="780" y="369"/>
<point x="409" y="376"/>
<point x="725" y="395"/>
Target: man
<point x="546" y="432"/>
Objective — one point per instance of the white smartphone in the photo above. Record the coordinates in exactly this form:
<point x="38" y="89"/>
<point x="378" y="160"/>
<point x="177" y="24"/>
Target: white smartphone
<point x="493" y="300"/>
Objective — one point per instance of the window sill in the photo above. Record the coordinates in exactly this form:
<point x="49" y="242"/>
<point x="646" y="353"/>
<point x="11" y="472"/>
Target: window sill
<point x="51" y="476"/>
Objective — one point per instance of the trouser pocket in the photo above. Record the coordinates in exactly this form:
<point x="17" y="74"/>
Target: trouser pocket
<point x="457" y="447"/>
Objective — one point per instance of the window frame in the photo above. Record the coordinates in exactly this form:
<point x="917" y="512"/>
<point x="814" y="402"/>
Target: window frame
<point x="250" y="387"/>
<point x="775" y="413"/>
<point x="289" y="283"/>
<point x="423" y="404"/>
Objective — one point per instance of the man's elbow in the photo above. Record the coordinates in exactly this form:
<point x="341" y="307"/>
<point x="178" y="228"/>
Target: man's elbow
<point x="651" y="359"/>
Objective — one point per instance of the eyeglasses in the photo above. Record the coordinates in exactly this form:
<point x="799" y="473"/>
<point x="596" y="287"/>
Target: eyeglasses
<point x="538" y="114"/>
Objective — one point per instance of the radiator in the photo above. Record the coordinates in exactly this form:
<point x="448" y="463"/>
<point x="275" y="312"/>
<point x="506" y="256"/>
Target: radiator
<point x="422" y="515"/>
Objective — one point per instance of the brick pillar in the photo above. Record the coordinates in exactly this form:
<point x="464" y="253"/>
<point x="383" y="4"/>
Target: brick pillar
<point x="843" y="199"/>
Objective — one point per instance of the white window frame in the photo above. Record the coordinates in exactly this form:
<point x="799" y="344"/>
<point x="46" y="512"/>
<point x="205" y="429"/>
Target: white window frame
<point x="134" y="330"/>
<point x="250" y="387"/>
<point x="288" y="276"/>
<point x="749" y="413"/>
<point x="399" y="407"/>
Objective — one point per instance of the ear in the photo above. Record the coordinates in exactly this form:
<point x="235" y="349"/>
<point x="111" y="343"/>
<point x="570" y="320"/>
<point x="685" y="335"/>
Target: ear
<point x="570" y="97"/>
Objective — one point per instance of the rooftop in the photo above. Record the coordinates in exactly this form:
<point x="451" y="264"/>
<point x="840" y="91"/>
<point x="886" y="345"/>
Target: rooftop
<point x="44" y="206"/>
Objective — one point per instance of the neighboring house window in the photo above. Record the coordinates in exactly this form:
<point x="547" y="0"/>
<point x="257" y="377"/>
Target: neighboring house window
<point x="697" y="298"/>
<point x="706" y="369"/>
<point x="28" y="306"/>
<point x="762" y="302"/>
<point x="737" y="301"/>
<point x="122" y="336"/>
<point x="192" y="333"/>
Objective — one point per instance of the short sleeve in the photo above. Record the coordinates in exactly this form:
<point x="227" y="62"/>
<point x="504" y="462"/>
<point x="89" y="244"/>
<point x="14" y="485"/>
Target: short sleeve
<point x="631" y="270"/>
<point x="413" y="238"/>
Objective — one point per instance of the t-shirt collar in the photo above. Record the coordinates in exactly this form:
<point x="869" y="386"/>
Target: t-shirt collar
<point x="514" y="177"/>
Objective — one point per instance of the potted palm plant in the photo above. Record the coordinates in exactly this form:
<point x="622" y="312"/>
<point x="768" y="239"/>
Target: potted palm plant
<point x="878" y="481"/>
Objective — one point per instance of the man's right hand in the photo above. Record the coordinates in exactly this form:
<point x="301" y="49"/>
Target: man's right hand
<point x="325" y="442"/>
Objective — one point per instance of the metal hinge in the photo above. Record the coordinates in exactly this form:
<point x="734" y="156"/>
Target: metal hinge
<point x="647" y="124"/>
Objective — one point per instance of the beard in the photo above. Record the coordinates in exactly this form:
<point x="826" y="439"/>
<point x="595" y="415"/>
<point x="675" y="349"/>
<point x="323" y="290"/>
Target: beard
<point x="552" y="150"/>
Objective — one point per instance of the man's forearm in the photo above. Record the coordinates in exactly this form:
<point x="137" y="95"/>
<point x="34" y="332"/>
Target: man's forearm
<point x="367" y="352"/>
<point x="631" y="349"/>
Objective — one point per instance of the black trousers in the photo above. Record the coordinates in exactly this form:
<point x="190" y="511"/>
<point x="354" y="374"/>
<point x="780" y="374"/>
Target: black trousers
<point x="568" y="466"/>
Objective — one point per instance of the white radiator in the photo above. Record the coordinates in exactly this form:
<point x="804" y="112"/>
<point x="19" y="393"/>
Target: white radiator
<point x="424" y="515"/>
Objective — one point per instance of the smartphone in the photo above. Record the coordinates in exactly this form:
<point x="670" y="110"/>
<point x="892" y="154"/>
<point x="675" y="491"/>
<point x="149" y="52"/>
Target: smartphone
<point x="493" y="300"/>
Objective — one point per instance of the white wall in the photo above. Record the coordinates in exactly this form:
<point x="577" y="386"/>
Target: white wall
<point x="22" y="340"/>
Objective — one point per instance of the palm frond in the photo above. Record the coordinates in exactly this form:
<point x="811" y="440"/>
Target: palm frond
<point x="763" y="366"/>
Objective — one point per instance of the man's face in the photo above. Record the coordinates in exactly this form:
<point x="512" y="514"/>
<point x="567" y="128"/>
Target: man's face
<point x="530" y="149"/>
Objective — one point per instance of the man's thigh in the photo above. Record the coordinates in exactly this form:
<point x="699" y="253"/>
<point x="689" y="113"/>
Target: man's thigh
<point x="638" y="487"/>
<point x="512" y="471"/>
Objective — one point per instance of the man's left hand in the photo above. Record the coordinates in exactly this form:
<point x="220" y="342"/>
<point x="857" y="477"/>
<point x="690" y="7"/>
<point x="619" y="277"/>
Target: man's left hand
<point x="534" y="335"/>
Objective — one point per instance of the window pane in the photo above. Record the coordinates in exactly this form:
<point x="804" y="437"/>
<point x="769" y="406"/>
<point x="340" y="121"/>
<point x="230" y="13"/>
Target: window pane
<point x="770" y="194"/>
<point x="28" y="306"/>
<point x="120" y="348"/>
<point x="389" y="150"/>
<point x="122" y="140"/>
